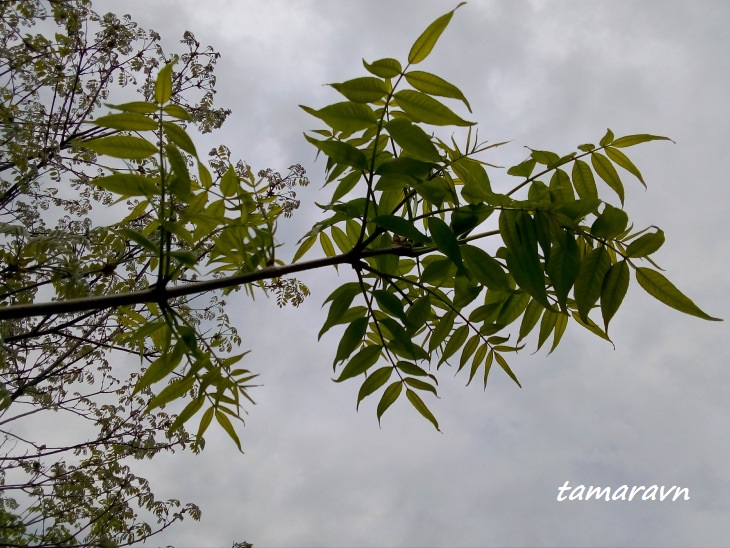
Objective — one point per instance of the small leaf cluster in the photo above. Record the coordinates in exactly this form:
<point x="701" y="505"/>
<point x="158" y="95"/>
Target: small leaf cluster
<point x="409" y="208"/>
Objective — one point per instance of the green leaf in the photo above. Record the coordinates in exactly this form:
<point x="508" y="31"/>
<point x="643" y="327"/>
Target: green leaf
<point x="533" y="312"/>
<point x="417" y="402"/>
<point x="374" y="381"/>
<point x="389" y="303"/>
<point x="621" y="159"/>
<point x="351" y="339"/>
<point x="126" y="147"/>
<point x="230" y="183"/>
<point x="523" y="169"/>
<point x="384" y="68"/>
<point x="138" y="238"/>
<point x="413" y="140"/>
<point x="138" y="107"/>
<point x="513" y="308"/>
<point x="327" y="246"/>
<point x="563" y="266"/>
<point x="163" y="84"/>
<point x="477" y="187"/>
<point x="173" y="391"/>
<point x="466" y="218"/>
<point x="341" y="153"/>
<point x="161" y="367"/>
<point x="186" y="414"/>
<point x="176" y="111"/>
<point x="519" y="234"/>
<point x="412" y="369"/>
<point x="608" y="173"/>
<point x="645" y="245"/>
<point x="561" y="323"/>
<point x="419" y="312"/>
<point x="179" y="136"/>
<point x="456" y="341"/>
<point x="503" y="364"/>
<point x="341" y="299"/>
<point x="418" y="384"/>
<point x="583" y="181"/>
<point x="607" y="139"/>
<point x="615" y="285"/>
<point x="485" y="268"/>
<point x="420" y="107"/>
<point x="434" y="85"/>
<point x="341" y="239"/>
<point x="402" y="227"/>
<point x="180" y="184"/>
<point x="656" y="285"/>
<point x="427" y="40"/>
<point x="127" y="121"/>
<point x="205" y="422"/>
<point x="306" y="246"/>
<point x="445" y="240"/>
<point x="362" y="90"/>
<point x="225" y="422"/>
<point x="388" y="398"/>
<point x="361" y="362"/>
<point x="443" y="328"/>
<point x="590" y="278"/>
<point x="631" y="140"/>
<point x="545" y="157"/>
<point x="610" y="223"/>
<point x="128" y="184"/>
<point x="346" y="117"/>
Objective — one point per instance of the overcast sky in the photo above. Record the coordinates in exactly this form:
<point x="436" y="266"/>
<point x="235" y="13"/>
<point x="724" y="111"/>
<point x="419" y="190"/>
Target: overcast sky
<point x="549" y="75"/>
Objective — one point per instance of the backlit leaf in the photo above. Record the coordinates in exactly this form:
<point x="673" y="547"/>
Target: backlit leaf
<point x="615" y="285"/>
<point x="646" y="244"/>
<point x="590" y="278"/>
<point x="659" y="287"/>
<point x="413" y="140"/>
<point x="608" y="173"/>
<point x="126" y="147"/>
<point x="583" y="181"/>
<point x="621" y="159"/>
<point x="128" y="184"/>
<point x="374" y="381"/>
<point x="388" y="398"/>
<point x="384" y="68"/>
<point x="362" y="90"/>
<point x="347" y="116"/>
<point x="427" y="40"/>
<point x="631" y="140"/>
<point x="435" y="85"/>
<point x="127" y="121"/>
<point x="417" y="402"/>
<point x="361" y="362"/>
<point x="423" y="108"/>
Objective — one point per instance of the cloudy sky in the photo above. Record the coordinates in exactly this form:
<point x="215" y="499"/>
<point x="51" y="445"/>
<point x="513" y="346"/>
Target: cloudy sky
<point x="550" y="75"/>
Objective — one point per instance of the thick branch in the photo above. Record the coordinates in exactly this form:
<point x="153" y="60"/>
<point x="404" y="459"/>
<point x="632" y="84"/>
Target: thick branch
<point x="162" y="294"/>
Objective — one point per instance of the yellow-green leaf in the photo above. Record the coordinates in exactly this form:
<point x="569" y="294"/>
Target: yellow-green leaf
<point x="388" y="398"/>
<point x="417" y="402"/>
<point x="608" y="173"/>
<point x="163" y="84"/>
<point x="427" y="40"/>
<point x="126" y="147"/>
<point x="127" y="121"/>
<point x="435" y="85"/>
<point x="615" y="285"/>
<point x="362" y="90"/>
<point x="420" y="107"/>
<point x="659" y="287"/>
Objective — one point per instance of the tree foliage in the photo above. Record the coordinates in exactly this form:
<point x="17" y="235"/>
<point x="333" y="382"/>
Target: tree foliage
<point x="114" y="319"/>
